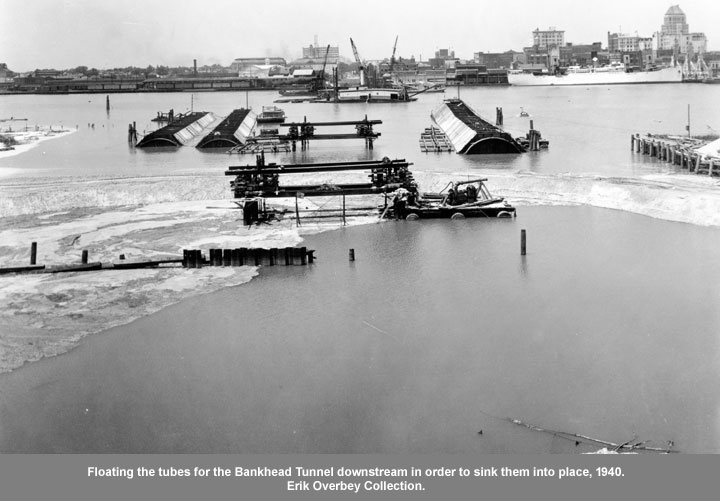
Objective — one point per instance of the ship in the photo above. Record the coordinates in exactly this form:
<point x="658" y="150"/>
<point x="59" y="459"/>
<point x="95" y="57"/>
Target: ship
<point x="605" y="75"/>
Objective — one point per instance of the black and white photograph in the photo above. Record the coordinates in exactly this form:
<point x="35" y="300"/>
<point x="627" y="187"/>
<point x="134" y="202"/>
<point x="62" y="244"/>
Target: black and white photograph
<point x="301" y="228"/>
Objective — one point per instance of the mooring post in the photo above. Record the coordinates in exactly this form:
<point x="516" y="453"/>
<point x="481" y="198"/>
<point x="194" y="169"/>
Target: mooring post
<point x="84" y="257"/>
<point x="297" y="211"/>
<point x="352" y="254"/>
<point x="523" y="241"/>
<point x="33" y="253"/>
<point x="107" y="103"/>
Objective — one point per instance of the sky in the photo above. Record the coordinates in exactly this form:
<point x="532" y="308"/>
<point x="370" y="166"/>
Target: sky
<point x="62" y="34"/>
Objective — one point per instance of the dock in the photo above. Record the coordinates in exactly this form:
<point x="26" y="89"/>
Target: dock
<point x="232" y="132"/>
<point x="469" y="133"/>
<point x="685" y="152"/>
<point x="179" y="132"/>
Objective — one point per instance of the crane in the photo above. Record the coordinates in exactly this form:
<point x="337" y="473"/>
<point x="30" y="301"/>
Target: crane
<point x="392" y="58"/>
<point x="360" y="63"/>
<point x="322" y="72"/>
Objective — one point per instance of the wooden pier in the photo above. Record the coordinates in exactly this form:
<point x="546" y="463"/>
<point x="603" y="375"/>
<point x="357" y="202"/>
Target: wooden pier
<point x="677" y="152"/>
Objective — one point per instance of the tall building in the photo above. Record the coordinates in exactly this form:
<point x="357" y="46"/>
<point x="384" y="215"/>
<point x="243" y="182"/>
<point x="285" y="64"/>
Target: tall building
<point x="318" y="52"/>
<point x="548" y="38"/>
<point x="675" y="34"/>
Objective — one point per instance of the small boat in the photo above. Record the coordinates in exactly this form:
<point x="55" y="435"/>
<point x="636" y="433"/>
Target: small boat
<point x="523" y="113"/>
<point x="457" y="200"/>
<point x="271" y="114"/>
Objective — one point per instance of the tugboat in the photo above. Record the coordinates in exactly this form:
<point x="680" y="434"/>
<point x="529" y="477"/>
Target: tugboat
<point x="271" y="114"/>
<point x="457" y="200"/>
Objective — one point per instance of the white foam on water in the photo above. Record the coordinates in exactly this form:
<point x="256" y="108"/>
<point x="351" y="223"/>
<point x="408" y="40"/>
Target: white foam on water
<point x="159" y="216"/>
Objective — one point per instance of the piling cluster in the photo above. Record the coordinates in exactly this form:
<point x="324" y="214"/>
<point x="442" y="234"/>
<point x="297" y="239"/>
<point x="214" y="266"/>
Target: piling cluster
<point x="675" y="153"/>
<point x="287" y="256"/>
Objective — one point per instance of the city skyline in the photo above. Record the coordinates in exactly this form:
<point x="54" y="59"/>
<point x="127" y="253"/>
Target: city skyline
<point x="103" y="34"/>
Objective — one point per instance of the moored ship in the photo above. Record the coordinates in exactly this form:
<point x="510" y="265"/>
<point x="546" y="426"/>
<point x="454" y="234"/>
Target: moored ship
<point x="609" y="75"/>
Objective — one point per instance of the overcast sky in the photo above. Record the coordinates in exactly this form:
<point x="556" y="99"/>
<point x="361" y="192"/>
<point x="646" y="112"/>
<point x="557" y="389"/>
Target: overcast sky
<point x="64" y="34"/>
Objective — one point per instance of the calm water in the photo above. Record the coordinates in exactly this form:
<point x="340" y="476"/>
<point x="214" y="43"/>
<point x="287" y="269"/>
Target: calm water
<point x="589" y="129"/>
<point x="608" y="327"/>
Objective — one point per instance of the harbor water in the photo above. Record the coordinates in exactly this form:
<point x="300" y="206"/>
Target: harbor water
<point x="437" y="335"/>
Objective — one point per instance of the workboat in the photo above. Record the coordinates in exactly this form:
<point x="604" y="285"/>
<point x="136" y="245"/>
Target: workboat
<point x="605" y="75"/>
<point x="373" y="95"/>
<point x="457" y="200"/>
<point x="271" y="114"/>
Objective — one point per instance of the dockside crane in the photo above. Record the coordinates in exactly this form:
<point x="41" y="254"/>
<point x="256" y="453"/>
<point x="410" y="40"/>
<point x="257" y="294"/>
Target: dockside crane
<point x="363" y="67"/>
<point x="392" y="58"/>
<point x="322" y="72"/>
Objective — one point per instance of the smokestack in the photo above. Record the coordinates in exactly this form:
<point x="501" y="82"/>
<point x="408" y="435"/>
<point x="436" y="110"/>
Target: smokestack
<point x="195" y="67"/>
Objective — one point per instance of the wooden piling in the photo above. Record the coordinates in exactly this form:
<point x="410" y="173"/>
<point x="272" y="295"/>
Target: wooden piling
<point x="352" y="254"/>
<point x="310" y="256"/>
<point x="288" y="256"/>
<point x="243" y="256"/>
<point x="523" y="241"/>
<point x="192" y="259"/>
<point x="235" y="257"/>
<point x="84" y="257"/>
<point x="227" y="257"/>
<point x="33" y="253"/>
